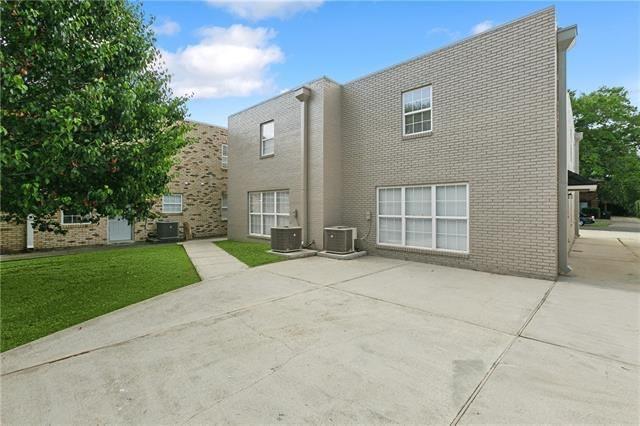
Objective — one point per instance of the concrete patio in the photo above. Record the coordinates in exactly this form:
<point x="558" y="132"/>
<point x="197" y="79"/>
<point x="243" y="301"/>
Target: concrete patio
<point x="371" y="340"/>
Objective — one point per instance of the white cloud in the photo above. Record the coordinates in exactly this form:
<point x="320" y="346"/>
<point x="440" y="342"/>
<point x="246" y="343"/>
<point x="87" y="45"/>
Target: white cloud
<point x="230" y="61"/>
<point x="262" y="9"/>
<point x="481" y="27"/>
<point x="445" y="32"/>
<point x="167" y="27"/>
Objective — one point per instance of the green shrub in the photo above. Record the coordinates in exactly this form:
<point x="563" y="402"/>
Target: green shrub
<point x="637" y="208"/>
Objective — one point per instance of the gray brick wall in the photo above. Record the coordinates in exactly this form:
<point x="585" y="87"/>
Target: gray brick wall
<point x="249" y="172"/>
<point x="494" y="126"/>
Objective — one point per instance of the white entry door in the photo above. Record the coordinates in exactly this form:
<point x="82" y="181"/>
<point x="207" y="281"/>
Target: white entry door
<point x="120" y="229"/>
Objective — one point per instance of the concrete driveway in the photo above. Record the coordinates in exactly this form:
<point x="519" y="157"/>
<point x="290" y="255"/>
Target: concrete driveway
<point x="371" y="340"/>
<point x="617" y="224"/>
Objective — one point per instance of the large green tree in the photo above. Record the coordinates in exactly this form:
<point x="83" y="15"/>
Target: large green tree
<point x="89" y="124"/>
<point x="609" y="150"/>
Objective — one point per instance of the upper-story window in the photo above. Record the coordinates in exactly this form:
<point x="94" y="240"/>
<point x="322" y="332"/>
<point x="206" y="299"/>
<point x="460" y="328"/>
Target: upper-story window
<point x="267" y="134"/>
<point x="416" y="111"/>
<point x="224" y="157"/>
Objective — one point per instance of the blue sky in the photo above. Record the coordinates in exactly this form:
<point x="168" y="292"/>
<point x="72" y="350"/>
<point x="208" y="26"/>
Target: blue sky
<point x="232" y="55"/>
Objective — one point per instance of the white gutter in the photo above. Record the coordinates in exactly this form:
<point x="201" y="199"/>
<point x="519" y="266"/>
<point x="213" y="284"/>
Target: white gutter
<point x="565" y="38"/>
<point x="303" y="95"/>
<point x="577" y="137"/>
<point x="583" y="188"/>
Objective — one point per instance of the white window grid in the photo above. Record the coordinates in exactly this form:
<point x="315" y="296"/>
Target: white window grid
<point x="74" y="219"/>
<point x="418" y="111"/>
<point x="267" y="142"/>
<point x="276" y="215"/>
<point x="169" y="205"/>
<point x="224" y="157"/>
<point x="433" y="217"/>
<point x="223" y="206"/>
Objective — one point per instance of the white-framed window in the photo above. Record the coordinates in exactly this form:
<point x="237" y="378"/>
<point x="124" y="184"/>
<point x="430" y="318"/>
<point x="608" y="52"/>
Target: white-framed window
<point x="74" y="219"/>
<point x="267" y="134"/>
<point x="416" y="111"/>
<point x="224" y="208"/>
<point x="424" y="216"/>
<point x="224" y="156"/>
<point x="267" y="209"/>
<point x="172" y="203"/>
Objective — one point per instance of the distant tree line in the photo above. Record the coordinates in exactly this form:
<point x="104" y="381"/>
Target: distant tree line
<point x="610" y="148"/>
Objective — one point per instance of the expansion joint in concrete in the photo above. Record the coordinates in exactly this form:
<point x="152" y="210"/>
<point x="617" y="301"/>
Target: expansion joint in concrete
<point x="500" y="357"/>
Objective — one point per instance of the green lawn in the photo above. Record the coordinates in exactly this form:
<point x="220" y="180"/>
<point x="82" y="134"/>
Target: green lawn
<point x="600" y="223"/>
<point x="44" y="295"/>
<point x="252" y="254"/>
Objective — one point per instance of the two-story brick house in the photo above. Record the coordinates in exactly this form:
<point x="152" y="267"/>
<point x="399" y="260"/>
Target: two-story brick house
<point x="436" y="159"/>
<point x="197" y="195"/>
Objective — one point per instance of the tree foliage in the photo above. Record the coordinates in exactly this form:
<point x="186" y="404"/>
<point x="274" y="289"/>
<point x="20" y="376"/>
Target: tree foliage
<point x="609" y="150"/>
<point x="89" y="124"/>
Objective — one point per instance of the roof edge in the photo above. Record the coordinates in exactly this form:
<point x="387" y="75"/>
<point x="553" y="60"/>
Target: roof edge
<point x="455" y="43"/>
<point x="288" y="92"/>
<point x="423" y="55"/>
<point x="188" y="120"/>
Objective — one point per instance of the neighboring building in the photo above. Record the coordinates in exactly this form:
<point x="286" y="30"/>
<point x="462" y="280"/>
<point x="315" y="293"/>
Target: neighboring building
<point x="197" y="196"/>
<point x="458" y="157"/>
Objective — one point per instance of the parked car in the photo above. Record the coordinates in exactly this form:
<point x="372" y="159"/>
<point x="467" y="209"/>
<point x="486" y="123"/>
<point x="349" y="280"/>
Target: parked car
<point x="587" y="219"/>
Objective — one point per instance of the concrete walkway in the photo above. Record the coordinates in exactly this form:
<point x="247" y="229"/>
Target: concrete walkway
<point x="367" y="341"/>
<point x="210" y="260"/>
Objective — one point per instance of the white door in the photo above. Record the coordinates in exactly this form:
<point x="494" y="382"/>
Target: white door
<point x="119" y="230"/>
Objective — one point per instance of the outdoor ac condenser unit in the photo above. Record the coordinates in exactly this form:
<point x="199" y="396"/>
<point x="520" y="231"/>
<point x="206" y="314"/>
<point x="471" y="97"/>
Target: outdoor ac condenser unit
<point x="340" y="239"/>
<point x="167" y="231"/>
<point x="286" y="239"/>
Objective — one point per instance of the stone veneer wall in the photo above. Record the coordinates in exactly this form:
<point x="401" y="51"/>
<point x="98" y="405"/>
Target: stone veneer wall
<point x="201" y="180"/>
<point x="198" y="176"/>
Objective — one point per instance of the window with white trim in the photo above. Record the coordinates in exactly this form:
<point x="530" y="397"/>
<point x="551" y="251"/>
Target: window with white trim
<point x="223" y="206"/>
<point x="416" y="111"/>
<point x="172" y="203"/>
<point x="75" y="219"/>
<point x="267" y="135"/>
<point x="426" y="216"/>
<point x="267" y="209"/>
<point x="224" y="156"/>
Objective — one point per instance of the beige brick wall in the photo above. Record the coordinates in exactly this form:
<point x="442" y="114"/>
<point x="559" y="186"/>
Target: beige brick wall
<point x="12" y="237"/>
<point x="494" y="126"/>
<point x="198" y="176"/>
<point x="201" y="180"/>
<point x="77" y="235"/>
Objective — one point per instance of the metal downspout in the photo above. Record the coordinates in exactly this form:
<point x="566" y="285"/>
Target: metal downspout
<point x="303" y="95"/>
<point x="578" y="138"/>
<point x="565" y="39"/>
